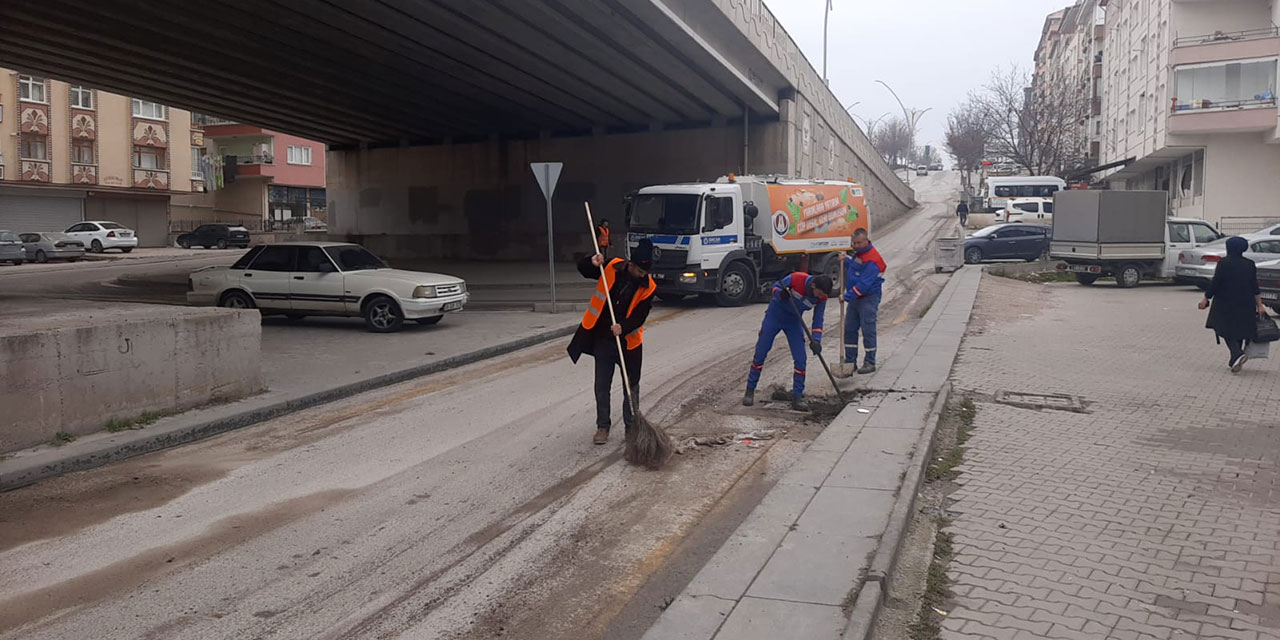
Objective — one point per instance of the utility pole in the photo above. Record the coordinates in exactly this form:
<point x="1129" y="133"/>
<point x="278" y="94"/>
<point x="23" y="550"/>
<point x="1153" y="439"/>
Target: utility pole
<point x="912" y="118"/>
<point x="826" y="19"/>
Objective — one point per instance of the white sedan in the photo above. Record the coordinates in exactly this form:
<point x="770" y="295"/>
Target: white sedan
<point x="100" y="235"/>
<point x="328" y="279"/>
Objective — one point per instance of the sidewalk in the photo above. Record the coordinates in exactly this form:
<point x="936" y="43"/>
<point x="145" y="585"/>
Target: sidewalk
<point x="810" y="561"/>
<point x="1152" y="514"/>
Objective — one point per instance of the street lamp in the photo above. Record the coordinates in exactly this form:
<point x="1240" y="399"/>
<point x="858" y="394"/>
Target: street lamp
<point x="826" y="19"/>
<point x="853" y="105"/>
<point x="911" y="117"/>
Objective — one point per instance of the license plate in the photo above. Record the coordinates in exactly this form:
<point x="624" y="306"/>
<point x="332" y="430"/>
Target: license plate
<point x="451" y="306"/>
<point x="1269" y="295"/>
<point x="1084" y="268"/>
<point x="658" y="276"/>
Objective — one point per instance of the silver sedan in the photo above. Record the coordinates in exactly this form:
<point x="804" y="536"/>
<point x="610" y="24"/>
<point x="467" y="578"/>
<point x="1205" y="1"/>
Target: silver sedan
<point x="1197" y="265"/>
<point x="51" y="245"/>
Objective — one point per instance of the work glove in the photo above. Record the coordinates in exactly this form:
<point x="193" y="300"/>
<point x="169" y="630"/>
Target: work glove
<point x="815" y="346"/>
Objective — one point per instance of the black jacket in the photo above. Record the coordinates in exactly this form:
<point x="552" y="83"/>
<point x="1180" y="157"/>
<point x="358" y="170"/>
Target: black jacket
<point x="623" y="290"/>
<point x="1233" y="291"/>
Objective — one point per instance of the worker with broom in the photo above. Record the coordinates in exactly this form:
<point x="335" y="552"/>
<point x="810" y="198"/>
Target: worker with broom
<point x="792" y="296"/>
<point x="631" y="290"/>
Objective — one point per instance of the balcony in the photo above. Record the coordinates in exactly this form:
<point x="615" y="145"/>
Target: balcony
<point x="1234" y="97"/>
<point x="1242" y="117"/>
<point x="1223" y="46"/>
<point x="202" y="120"/>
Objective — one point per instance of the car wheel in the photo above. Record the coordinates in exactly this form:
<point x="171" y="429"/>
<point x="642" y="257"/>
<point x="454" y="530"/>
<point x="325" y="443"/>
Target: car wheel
<point x="430" y="321"/>
<point x="222" y="244"/>
<point x="1129" y="276"/>
<point x="126" y="250"/>
<point x="737" y="284"/>
<point x="95" y="246"/>
<point x="41" y="256"/>
<point x="973" y="255"/>
<point x="1086" y="279"/>
<point x="294" y="317"/>
<point x="383" y="315"/>
<point x="236" y="300"/>
<point x="185" y="243"/>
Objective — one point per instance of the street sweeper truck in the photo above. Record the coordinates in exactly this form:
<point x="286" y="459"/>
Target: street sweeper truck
<point x="732" y="238"/>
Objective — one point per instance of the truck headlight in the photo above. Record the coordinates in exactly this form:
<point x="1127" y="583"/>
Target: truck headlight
<point x="688" y="277"/>
<point x="425" y="291"/>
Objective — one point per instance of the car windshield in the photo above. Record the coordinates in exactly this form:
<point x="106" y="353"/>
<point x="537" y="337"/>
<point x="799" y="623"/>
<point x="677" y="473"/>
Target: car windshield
<point x="354" y="257"/>
<point x="665" y="213"/>
<point x="110" y="225"/>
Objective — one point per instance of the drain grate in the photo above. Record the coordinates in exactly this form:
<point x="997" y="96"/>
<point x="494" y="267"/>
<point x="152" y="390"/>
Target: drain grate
<point x="1058" y="402"/>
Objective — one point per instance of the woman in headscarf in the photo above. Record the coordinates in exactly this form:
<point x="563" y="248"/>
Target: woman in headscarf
<point x="1236" y="301"/>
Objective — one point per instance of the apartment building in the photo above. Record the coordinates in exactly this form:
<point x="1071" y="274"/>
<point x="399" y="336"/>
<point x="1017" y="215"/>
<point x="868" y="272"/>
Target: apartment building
<point x="1189" y="104"/>
<point x="71" y="152"/>
<point x="254" y="177"/>
<point x="1070" y="55"/>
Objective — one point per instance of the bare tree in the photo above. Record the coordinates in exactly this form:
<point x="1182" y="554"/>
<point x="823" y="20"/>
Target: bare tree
<point x="893" y="140"/>
<point x="967" y="138"/>
<point x="1039" y="127"/>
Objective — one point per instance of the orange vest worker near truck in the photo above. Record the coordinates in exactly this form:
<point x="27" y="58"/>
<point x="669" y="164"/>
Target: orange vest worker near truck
<point x="602" y="237"/>
<point x="631" y="290"/>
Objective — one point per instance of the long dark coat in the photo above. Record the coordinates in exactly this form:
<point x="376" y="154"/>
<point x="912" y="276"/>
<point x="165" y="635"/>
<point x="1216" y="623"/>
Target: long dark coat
<point x="1233" y="292"/>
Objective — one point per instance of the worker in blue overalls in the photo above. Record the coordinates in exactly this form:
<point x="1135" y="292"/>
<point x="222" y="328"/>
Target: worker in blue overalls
<point x="792" y="296"/>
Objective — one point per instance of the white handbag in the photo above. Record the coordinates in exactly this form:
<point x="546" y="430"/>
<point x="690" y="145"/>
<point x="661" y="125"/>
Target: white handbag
<point x="1257" y="350"/>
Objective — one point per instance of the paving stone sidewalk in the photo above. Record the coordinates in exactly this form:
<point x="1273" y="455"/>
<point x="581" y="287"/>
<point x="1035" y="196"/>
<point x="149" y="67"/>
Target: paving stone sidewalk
<point x="1155" y="514"/>
<point x="813" y="554"/>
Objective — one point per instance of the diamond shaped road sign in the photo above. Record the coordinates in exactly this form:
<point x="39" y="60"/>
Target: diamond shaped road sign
<point x="547" y="173"/>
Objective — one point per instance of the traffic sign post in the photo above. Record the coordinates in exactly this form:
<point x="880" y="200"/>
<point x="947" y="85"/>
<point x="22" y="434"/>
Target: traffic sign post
<point x="548" y="173"/>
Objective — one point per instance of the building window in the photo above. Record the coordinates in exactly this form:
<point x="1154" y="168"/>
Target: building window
<point x="299" y="155"/>
<point x="32" y="147"/>
<point x="32" y="89"/>
<point x="1198" y="179"/>
<point x="144" y="109"/>
<point x="196" y="154"/>
<point x="148" y="158"/>
<point x="1232" y="85"/>
<point x="81" y="97"/>
<point x="82" y="151"/>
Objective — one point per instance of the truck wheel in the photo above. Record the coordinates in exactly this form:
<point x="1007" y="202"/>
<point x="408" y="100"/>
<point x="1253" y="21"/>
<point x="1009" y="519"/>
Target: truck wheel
<point x="1129" y="276"/>
<point x="1086" y="279"/>
<point x="737" y="284"/>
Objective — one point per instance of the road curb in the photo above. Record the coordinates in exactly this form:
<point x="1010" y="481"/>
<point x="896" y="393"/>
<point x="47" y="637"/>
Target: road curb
<point x="39" y="467"/>
<point x="867" y="604"/>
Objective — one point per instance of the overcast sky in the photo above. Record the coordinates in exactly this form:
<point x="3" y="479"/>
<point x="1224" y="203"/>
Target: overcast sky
<point x="932" y="52"/>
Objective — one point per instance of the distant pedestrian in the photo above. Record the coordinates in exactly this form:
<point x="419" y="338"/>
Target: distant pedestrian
<point x="602" y="237"/>
<point x="962" y="210"/>
<point x="863" y="280"/>
<point x="1236" y="299"/>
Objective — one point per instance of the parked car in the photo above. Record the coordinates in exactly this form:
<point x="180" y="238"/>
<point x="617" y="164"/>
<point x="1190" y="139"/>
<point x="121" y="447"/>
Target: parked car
<point x="1269" y="283"/>
<point x="1196" y="266"/>
<point x="937" y="166"/>
<point x="215" y="235"/>
<point x="11" y="248"/>
<point x="305" y="224"/>
<point x="1007" y="242"/>
<point x="328" y="279"/>
<point x="51" y="245"/>
<point x="922" y="170"/>
<point x="1037" y="210"/>
<point x="99" y="236"/>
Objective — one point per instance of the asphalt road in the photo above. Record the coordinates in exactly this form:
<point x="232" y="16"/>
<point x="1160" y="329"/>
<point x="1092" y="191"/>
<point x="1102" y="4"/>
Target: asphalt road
<point x="468" y="504"/>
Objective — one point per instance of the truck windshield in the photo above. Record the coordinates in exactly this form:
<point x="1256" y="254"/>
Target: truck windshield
<point x="665" y="213"/>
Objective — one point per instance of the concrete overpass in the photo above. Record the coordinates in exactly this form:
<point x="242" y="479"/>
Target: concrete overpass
<point x="434" y="108"/>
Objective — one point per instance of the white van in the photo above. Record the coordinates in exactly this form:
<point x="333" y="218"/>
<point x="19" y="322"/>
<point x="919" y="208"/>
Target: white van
<point x="1031" y="210"/>
<point x="1001" y="190"/>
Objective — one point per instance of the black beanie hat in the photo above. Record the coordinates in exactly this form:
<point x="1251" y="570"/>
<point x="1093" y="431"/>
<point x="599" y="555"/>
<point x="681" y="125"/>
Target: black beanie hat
<point x="642" y="255"/>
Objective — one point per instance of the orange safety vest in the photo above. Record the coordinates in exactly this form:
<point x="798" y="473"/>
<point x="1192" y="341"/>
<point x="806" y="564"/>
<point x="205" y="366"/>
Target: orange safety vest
<point x="596" y="307"/>
<point x="603" y="236"/>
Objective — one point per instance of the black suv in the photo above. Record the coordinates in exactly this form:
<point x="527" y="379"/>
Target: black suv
<point x="215" y="235"/>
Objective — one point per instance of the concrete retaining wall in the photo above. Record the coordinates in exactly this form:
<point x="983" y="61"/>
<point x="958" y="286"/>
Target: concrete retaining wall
<point x="117" y="363"/>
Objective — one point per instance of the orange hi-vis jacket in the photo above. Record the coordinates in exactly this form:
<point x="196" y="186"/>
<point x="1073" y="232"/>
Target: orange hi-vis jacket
<point x="602" y="236"/>
<point x="596" y="306"/>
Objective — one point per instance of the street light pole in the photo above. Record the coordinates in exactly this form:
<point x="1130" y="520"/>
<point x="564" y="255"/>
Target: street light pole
<point x="912" y="118"/>
<point x="826" y="19"/>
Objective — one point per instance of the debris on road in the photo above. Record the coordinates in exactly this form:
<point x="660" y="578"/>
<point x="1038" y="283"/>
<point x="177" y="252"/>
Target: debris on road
<point x="750" y="439"/>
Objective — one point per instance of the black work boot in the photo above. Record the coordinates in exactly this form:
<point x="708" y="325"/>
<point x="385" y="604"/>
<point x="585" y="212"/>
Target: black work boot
<point x="868" y="367"/>
<point x="749" y="398"/>
<point x="798" y="403"/>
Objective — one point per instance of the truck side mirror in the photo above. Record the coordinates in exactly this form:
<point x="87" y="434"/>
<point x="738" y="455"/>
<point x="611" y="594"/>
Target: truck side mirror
<point x="751" y="211"/>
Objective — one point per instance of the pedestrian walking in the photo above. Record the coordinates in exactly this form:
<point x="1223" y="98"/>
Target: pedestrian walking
<point x="631" y="289"/>
<point x="1236" y="300"/>
<point x="962" y="210"/>
<point x="792" y="296"/>
<point x="602" y="237"/>
<point x="864" y="281"/>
